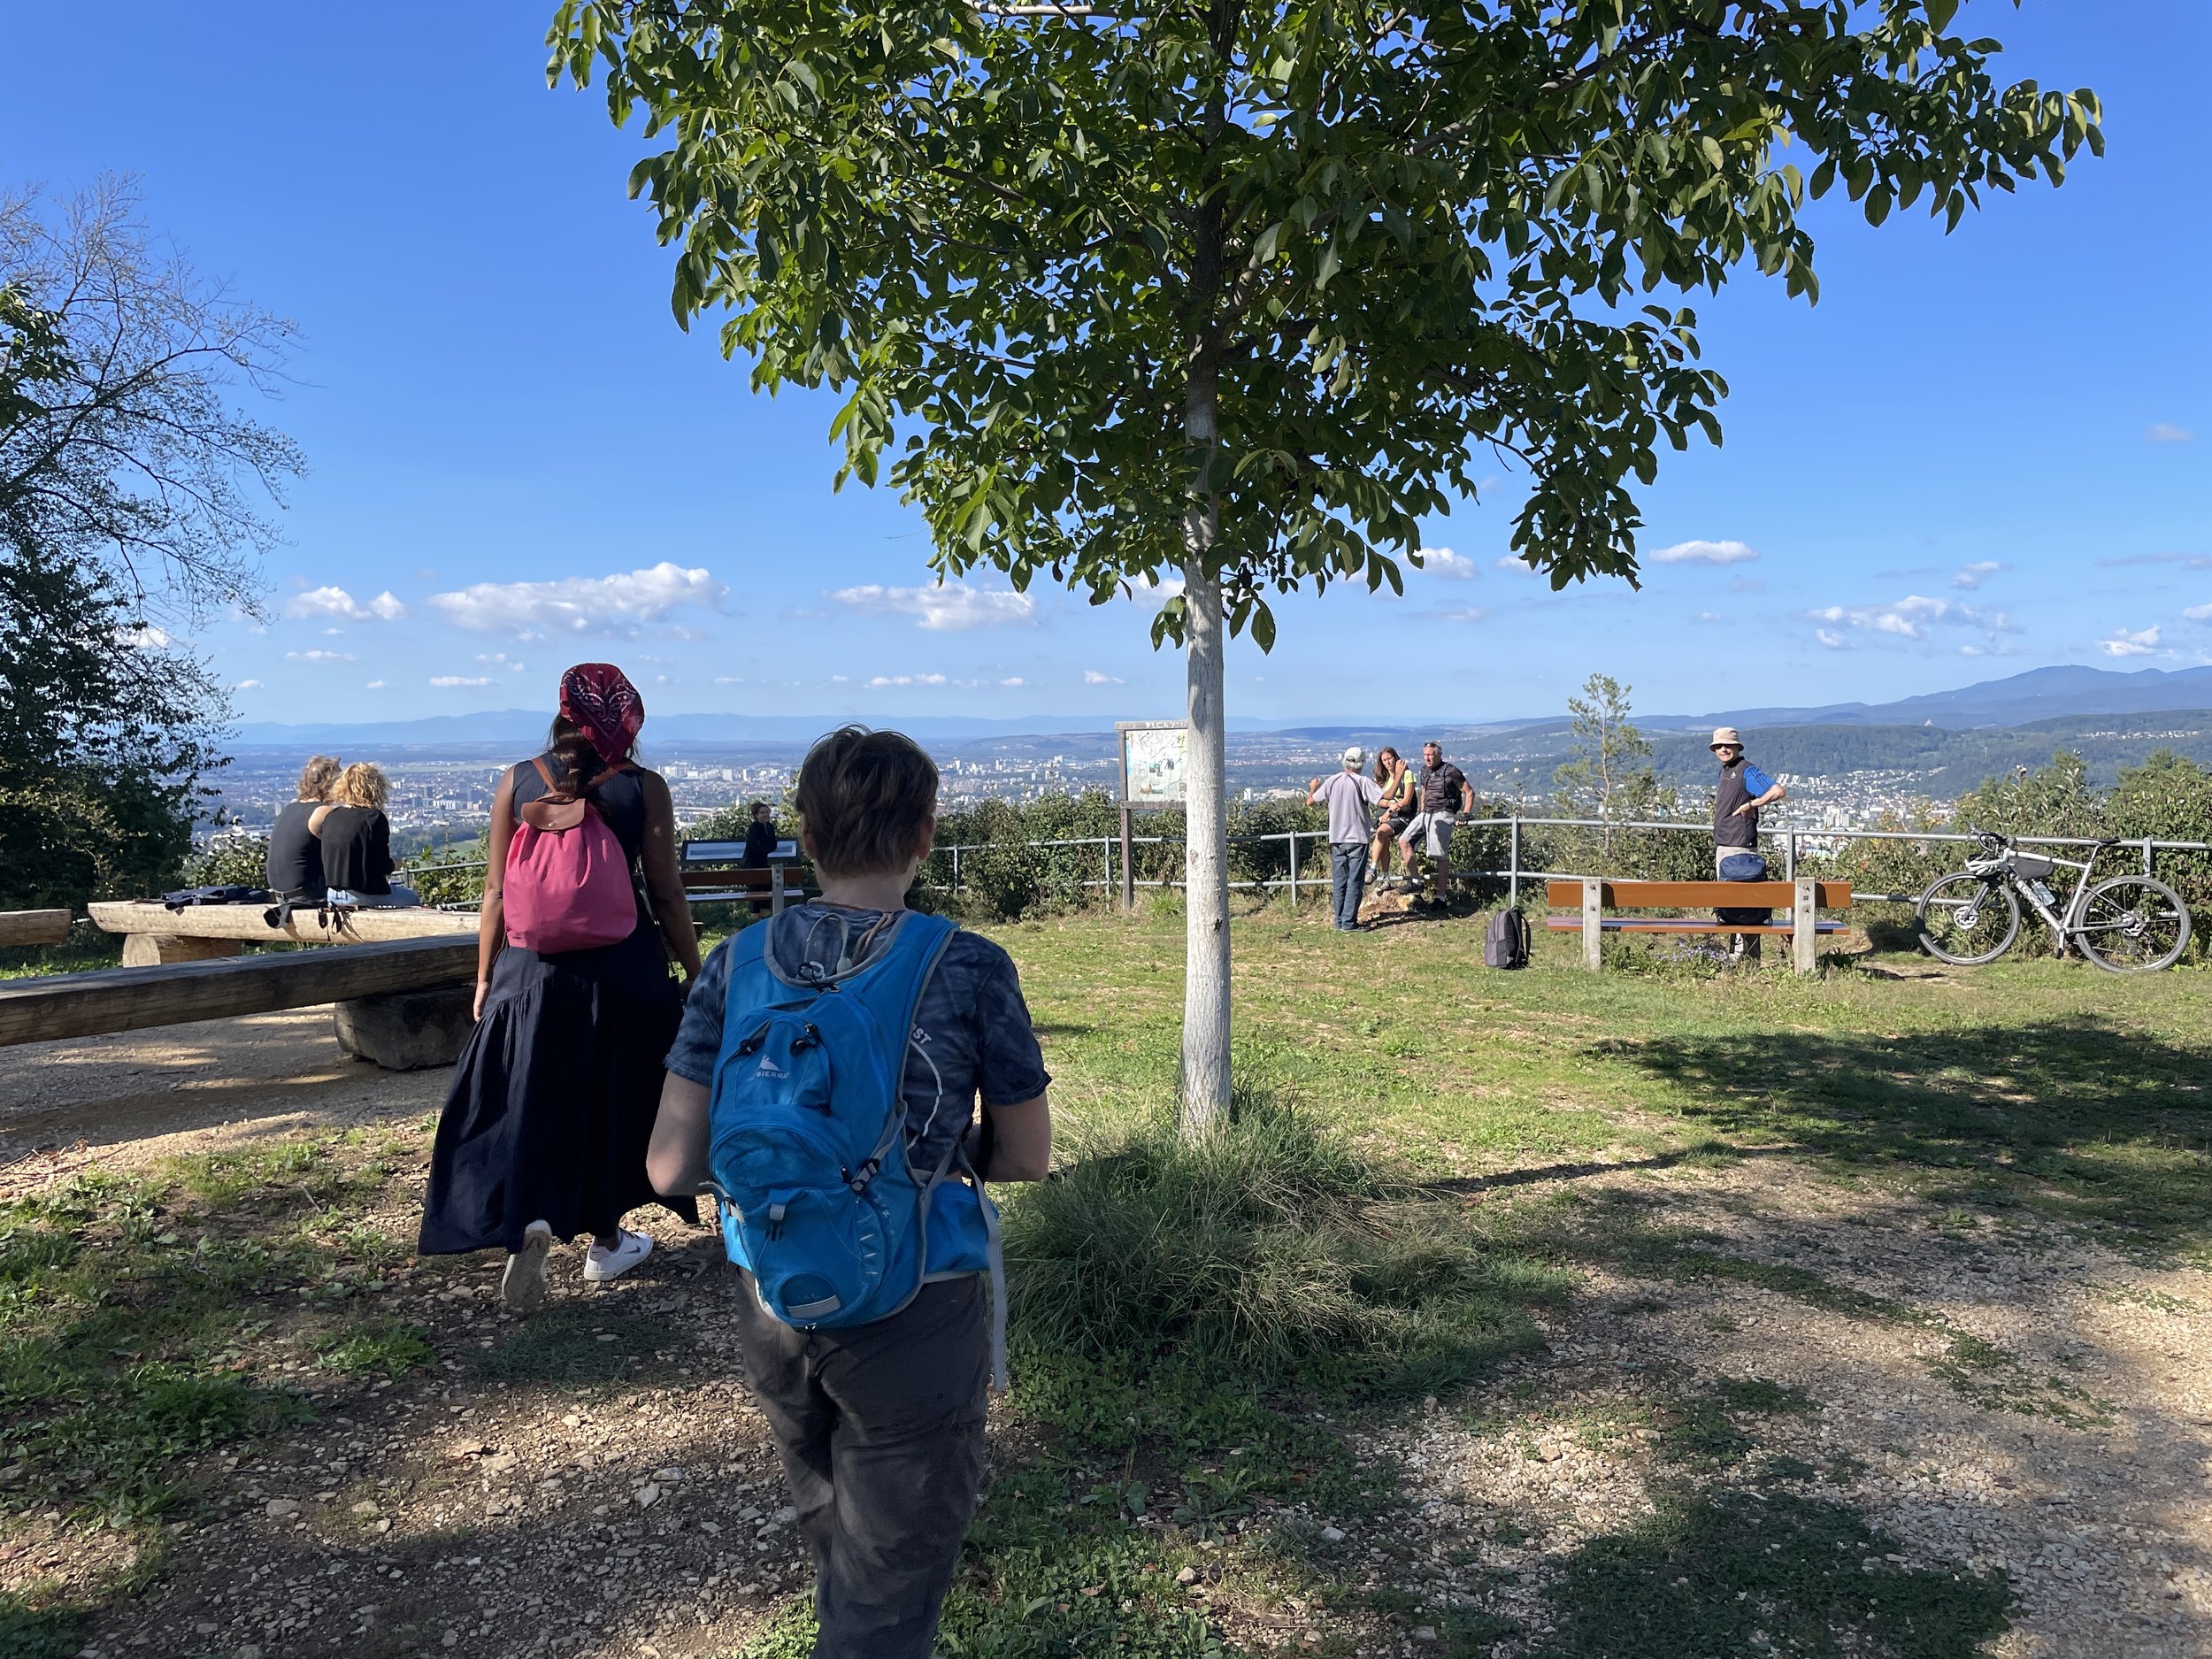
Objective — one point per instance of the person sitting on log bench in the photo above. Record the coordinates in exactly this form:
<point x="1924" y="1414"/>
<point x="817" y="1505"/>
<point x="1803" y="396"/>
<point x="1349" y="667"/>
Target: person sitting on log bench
<point x="357" y="842"/>
<point x="295" y="865"/>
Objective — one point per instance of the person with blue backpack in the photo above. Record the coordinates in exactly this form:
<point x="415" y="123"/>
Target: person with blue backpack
<point x="823" y="1089"/>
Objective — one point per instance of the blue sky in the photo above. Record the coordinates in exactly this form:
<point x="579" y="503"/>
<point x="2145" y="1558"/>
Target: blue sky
<point x="1979" y="454"/>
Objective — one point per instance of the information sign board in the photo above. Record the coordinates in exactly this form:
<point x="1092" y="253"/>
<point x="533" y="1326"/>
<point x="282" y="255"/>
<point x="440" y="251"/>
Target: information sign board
<point x="1155" y="756"/>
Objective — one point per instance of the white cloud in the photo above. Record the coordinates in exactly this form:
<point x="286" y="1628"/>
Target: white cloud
<point x="246" y="685"/>
<point x="2166" y="432"/>
<point x="377" y="685"/>
<point x="1144" y="590"/>
<point x="1016" y="680"/>
<point x="952" y="608"/>
<point x="1092" y="677"/>
<point x="1971" y="576"/>
<point x="1509" y="563"/>
<point x="321" y="656"/>
<point x="1704" y="553"/>
<point x="729" y="679"/>
<point x="448" y="681"/>
<point x="499" y="659"/>
<point x="1457" y="613"/>
<point x="909" y="679"/>
<point x="1455" y="567"/>
<point x="1830" y="638"/>
<point x="2199" y="614"/>
<point x="337" y="601"/>
<point x="144" y="638"/>
<point x="619" y="605"/>
<point x="1709" y="616"/>
<point x="2127" y="643"/>
<point x="1912" y="617"/>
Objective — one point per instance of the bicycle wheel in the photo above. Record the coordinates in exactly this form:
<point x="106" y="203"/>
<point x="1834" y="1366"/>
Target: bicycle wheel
<point x="1967" y="921"/>
<point x="2133" y="925"/>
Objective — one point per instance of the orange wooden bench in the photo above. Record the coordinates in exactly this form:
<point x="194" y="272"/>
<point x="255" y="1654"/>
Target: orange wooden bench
<point x="1594" y="896"/>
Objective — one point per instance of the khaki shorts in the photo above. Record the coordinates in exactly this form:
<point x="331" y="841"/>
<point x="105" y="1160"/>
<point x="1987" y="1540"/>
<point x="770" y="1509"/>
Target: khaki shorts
<point x="1437" y="826"/>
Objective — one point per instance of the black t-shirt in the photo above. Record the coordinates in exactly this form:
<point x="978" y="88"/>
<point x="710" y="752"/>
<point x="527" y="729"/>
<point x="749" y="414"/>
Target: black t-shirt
<point x="358" y="850"/>
<point x="295" y="858"/>
<point x="760" y="843"/>
<point x="1443" y="787"/>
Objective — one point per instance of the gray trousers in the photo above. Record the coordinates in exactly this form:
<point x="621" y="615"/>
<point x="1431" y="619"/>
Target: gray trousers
<point x="881" y="1427"/>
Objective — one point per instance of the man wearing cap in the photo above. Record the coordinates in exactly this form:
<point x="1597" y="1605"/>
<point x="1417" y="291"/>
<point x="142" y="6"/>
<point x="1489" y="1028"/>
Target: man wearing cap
<point x="1350" y="796"/>
<point x="1742" y="791"/>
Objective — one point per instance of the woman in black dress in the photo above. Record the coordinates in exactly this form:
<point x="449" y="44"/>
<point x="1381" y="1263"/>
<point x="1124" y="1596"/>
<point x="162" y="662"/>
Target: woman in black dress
<point x="544" y="1131"/>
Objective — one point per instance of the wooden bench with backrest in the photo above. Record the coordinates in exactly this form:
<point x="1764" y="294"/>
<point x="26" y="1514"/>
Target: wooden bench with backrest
<point x="711" y="874"/>
<point x="154" y="934"/>
<point x="1596" y="895"/>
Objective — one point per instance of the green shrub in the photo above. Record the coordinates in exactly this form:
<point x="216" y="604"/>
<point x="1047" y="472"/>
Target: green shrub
<point x="234" y="858"/>
<point x="1268" y="1247"/>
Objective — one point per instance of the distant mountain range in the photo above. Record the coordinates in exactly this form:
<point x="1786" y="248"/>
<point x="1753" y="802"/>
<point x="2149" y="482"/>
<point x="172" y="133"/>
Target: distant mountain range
<point x="2040" y="695"/>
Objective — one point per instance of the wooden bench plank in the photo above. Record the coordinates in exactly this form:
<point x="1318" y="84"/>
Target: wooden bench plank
<point x="34" y="927"/>
<point x="1663" y="896"/>
<point x="65" y="1005"/>
<point x="1664" y="924"/>
<point x="244" y="922"/>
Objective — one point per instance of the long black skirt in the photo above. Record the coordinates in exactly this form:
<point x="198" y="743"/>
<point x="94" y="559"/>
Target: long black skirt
<point x="553" y="1099"/>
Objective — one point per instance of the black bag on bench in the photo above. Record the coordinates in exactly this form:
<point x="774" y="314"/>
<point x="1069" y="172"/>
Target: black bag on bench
<point x="185" y="897"/>
<point x="1746" y="866"/>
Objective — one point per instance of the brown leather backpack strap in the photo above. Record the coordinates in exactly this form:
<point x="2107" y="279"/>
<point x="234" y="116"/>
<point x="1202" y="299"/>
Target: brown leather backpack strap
<point x="546" y="773"/>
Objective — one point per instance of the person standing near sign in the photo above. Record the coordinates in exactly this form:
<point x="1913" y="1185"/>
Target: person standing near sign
<point x="1742" y="790"/>
<point x="1351" y="800"/>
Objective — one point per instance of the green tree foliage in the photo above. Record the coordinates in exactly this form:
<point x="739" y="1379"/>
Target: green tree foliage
<point x="1611" y="776"/>
<point x="1234" y="295"/>
<point x="127" y="498"/>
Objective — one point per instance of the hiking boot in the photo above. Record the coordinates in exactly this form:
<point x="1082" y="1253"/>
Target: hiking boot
<point x="522" y="1286"/>
<point x="601" y="1264"/>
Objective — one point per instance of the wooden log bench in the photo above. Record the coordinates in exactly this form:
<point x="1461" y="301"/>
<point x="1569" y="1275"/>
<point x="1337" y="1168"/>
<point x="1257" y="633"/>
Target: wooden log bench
<point x="401" y="1002"/>
<point x="154" y="934"/>
<point x="1594" y="896"/>
<point x="34" y="927"/>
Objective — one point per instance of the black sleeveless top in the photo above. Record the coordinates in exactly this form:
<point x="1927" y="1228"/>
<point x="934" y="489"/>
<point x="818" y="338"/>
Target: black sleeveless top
<point x="621" y="802"/>
<point x="295" y="858"/>
<point x="1728" y="829"/>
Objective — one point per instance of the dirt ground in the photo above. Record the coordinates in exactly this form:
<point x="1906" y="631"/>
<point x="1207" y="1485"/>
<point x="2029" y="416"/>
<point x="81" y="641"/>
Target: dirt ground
<point x="611" y="1492"/>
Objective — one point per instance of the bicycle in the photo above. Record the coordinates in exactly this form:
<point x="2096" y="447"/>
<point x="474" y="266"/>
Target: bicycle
<point x="2124" y="924"/>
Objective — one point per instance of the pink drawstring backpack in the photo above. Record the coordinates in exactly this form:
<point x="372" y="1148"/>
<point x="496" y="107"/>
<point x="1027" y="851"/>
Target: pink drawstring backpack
<point x="568" y="881"/>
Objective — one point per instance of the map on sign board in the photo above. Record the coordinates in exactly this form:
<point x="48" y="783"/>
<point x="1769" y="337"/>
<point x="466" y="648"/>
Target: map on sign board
<point x="1154" y="756"/>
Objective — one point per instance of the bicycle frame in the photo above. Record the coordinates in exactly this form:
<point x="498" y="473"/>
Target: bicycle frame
<point x="2065" y="925"/>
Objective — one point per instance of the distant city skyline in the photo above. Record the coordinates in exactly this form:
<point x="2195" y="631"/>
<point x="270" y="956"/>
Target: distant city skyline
<point x="1978" y="454"/>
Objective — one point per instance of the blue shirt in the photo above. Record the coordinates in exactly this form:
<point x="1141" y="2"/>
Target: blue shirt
<point x="971" y="1032"/>
<point x="1756" y="780"/>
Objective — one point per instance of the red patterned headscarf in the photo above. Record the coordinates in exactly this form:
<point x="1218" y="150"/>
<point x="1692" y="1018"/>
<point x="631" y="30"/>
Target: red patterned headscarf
<point x="599" y="700"/>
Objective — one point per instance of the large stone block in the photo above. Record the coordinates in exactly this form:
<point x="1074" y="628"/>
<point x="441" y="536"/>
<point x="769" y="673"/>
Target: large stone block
<point x="407" y="1031"/>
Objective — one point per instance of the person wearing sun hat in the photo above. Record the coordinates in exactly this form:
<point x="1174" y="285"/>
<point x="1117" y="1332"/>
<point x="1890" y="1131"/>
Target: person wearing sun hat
<point x="1742" y="790"/>
<point x="1350" y="796"/>
<point x="552" y="1105"/>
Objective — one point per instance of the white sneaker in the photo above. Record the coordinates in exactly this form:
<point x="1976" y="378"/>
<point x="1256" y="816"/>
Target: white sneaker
<point x="522" y="1286"/>
<point x="601" y="1263"/>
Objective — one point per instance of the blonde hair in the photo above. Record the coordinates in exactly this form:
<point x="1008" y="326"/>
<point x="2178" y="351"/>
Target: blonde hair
<point x="317" y="776"/>
<point x="363" y="785"/>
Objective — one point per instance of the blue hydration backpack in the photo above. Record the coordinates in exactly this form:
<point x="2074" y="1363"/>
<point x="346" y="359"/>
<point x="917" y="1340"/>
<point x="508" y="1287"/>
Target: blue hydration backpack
<point x="808" y="1147"/>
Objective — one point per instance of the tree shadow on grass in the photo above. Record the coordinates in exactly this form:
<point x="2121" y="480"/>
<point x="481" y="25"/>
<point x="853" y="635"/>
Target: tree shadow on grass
<point x="2110" y="1125"/>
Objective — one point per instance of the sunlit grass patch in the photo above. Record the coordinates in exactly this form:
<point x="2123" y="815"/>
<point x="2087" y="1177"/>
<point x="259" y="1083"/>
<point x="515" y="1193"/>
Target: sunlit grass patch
<point x="375" y="1349"/>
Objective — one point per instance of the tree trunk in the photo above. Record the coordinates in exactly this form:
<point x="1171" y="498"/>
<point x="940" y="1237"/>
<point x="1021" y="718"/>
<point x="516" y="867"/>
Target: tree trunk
<point x="1206" y="869"/>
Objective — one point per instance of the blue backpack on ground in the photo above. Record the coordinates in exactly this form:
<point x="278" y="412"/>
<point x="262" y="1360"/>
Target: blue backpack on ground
<point x="807" y="1148"/>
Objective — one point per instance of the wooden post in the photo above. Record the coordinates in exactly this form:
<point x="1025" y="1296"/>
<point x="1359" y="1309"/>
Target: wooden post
<point x="1128" y="866"/>
<point x="1804" y="935"/>
<point x="1592" y="923"/>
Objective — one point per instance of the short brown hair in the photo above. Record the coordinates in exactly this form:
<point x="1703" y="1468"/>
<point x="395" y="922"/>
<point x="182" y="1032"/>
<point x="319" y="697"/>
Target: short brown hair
<point x="363" y="785"/>
<point x="864" y="797"/>
<point x="317" y="777"/>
